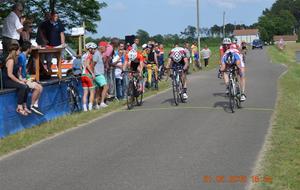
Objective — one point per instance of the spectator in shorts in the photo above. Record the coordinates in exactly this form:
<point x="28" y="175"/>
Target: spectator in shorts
<point x="11" y="78"/>
<point x="206" y="53"/>
<point x="34" y="86"/>
<point x="195" y="56"/>
<point x="88" y="76"/>
<point x="100" y="79"/>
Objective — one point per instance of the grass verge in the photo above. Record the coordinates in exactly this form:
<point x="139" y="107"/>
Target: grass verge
<point x="30" y="136"/>
<point x="281" y="160"/>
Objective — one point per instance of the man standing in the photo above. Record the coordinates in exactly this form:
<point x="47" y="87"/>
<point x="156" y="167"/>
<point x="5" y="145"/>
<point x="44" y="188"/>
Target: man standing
<point x="206" y="53"/>
<point x="135" y="44"/>
<point x="12" y="28"/>
<point x="100" y="79"/>
<point x="54" y="31"/>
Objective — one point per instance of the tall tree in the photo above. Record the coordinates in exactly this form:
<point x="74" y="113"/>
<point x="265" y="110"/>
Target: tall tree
<point x="72" y="12"/>
<point x="189" y="32"/>
<point x="143" y="36"/>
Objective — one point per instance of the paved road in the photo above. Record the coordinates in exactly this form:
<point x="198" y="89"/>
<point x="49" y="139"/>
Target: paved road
<point x="157" y="146"/>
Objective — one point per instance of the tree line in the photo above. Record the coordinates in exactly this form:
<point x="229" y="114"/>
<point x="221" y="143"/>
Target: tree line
<point x="283" y="18"/>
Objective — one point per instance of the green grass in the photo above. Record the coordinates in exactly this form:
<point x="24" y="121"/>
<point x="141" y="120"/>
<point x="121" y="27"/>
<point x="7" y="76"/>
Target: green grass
<point x="281" y="160"/>
<point x="30" y="136"/>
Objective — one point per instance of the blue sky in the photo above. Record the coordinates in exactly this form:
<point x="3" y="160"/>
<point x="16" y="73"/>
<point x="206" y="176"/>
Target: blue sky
<point x="125" y="17"/>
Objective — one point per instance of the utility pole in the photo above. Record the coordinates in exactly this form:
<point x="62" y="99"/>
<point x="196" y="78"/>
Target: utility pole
<point x="198" y="31"/>
<point x="224" y="13"/>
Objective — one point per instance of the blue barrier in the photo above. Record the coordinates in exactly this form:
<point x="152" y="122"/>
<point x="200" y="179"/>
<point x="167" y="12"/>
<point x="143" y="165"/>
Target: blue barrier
<point x="53" y="103"/>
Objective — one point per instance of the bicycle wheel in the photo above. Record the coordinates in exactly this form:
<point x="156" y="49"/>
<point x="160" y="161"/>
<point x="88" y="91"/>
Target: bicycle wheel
<point x="130" y="95"/>
<point x="72" y="100"/>
<point x="231" y="98"/>
<point x="155" y="82"/>
<point x="180" y="89"/>
<point x="139" y="98"/>
<point x="238" y="96"/>
<point x="175" y="89"/>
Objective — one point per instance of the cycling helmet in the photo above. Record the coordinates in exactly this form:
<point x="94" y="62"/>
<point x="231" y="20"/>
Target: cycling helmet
<point x="226" y="41"/>
<point x="177" y="55"/>
<point x="144" y="46"/>
<point x="90" y="45"/>
<point x="132" y="55"/>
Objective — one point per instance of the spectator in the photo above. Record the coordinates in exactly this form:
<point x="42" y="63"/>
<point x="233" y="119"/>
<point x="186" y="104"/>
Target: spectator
<point x="36" y="87"/>
<point x="11" y="78"/>
<point x="12" y="28"/>
<point x="195" y="56"/>
<point x="161" y="59"/>
<point x="135" y="44"/>
<point x="54" y="31"/>
<point x="125" y="75"/>
<point x="25" y="34"/>
<point x="41" y="33"/>
<point x="88" y="76"/>
<point x="77" y="65"/>
<point x="117" y="61"/>
<point x="206" y="53"/>
<point x="109" y="68"/>
<point x="100" y="79"/>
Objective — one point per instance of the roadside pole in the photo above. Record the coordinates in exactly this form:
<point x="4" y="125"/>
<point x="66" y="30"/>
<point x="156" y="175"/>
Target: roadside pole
<point x="198" y="32"/>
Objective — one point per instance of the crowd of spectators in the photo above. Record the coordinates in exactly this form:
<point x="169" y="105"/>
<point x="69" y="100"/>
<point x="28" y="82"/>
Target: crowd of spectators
<point x="101" y="67"/>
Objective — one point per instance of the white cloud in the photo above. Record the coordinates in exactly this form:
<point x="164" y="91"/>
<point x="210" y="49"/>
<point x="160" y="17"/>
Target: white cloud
<point x="118" y="6"/>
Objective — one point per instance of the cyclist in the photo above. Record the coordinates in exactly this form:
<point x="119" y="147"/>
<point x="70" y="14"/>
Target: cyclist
<point x="231" y="59"/>
<point x="135" y="61"/>
<point x="88" y="76"/>
<point x="178" y="56"/>
<point x="223" y="48"/>
<point x="152" y="63"/>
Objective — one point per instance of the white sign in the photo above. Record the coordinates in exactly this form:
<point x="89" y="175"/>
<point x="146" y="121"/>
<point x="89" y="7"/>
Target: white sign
<point x="77" y="31"/>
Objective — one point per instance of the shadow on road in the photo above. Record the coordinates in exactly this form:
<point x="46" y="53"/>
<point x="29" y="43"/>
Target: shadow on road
<point x="170" y="101"/>
<point x="224" y="105"/>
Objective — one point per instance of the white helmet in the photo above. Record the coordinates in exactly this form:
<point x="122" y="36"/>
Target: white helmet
<point x="177" y="54"/>
<point x="227" y="41"/>
<point x="144" y="46"/>
<point x="90" y="45"/>
<point x="132" y="55"/>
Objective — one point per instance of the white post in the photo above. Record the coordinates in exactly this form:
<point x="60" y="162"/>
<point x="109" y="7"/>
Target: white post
<point x="198" y="31"/>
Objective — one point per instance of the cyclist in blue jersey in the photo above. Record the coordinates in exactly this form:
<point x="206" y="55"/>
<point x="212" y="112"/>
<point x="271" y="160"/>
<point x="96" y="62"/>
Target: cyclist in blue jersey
<point x="232" y="59"/>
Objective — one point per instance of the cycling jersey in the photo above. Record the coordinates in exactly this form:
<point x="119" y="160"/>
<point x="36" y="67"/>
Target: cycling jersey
<point x="182" y="51"/>
<point x="236" y="57"/>
<point x="135" y="63"/>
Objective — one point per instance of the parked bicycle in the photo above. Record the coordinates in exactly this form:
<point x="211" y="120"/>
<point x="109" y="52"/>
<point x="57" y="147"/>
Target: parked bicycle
<point x="134" y="90"/>
<point x="234" y="89"/>
<point x="74" y="96"/>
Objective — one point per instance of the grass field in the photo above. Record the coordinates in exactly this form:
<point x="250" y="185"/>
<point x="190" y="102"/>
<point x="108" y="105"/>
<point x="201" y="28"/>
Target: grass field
<point x="281" y="160"/>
